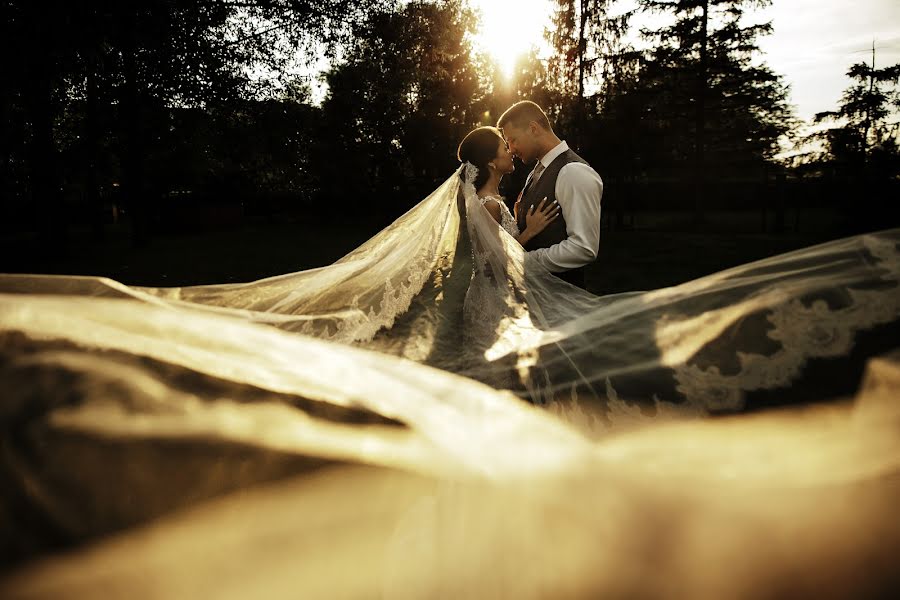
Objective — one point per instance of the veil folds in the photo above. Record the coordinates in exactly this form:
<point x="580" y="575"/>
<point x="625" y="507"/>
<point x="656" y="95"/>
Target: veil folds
<point x="446" y="287"/>
<point x="396" y="386"/>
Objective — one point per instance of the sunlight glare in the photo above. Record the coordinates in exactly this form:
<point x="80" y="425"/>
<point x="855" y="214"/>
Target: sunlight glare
<point x="508" y="29"/>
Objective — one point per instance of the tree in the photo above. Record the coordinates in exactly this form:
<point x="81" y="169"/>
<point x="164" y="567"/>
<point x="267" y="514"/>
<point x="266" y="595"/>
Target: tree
<point x="39" y="38"/>
<point x="865" y="143"/>
<point x="103" y="79"/>
<point x="589" y="39"/>
<point x="712" y="106"/>
<point x="594" y="69"/>
<point x="399" y="104"/>
<point x="6" y="102"/>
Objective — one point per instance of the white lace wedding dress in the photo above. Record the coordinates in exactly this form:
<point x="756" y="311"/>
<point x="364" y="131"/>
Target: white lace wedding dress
<point x="483" y="304"/>
<point x="507" y="220"/>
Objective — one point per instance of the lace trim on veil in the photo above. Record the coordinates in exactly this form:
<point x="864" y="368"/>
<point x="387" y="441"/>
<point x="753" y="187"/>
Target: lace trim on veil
<point x="696" y="348"/>
<point x="803" y="331"/>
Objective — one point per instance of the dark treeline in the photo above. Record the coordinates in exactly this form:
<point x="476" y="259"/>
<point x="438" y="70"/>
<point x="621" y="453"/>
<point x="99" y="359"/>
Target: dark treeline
<point x="151" y="111"/>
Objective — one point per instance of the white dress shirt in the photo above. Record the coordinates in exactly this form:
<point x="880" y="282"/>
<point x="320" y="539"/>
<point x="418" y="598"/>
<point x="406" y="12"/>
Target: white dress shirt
<point x="578" y="191"/>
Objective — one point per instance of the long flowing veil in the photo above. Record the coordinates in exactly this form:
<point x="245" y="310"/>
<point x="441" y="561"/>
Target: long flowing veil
<point x="445" y="286"/>
<point x="418" y="358"/>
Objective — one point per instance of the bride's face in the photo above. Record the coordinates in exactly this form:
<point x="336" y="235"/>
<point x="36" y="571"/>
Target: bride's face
<point x="503" y="162"/>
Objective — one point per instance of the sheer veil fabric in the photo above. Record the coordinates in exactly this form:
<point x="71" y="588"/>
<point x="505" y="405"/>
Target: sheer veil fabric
<point x="397" y="388"/>
<point x="445" y="286"/>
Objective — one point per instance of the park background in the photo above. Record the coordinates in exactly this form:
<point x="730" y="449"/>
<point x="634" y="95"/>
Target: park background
<point x="168" y="143"/>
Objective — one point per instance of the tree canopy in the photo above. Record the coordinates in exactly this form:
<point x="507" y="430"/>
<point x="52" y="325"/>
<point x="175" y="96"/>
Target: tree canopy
<point x="149" y="105"/>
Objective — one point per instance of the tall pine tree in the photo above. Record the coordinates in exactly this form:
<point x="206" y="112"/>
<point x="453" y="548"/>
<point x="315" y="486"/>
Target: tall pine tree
<point x="865" y="144"/>
<point x="713" y="106"/>
<point x="591" y="62"/>
<point x="399" y="104"/>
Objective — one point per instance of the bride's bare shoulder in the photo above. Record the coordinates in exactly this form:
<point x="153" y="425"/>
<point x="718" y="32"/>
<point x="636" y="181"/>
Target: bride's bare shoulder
<point x="492" y="205"/>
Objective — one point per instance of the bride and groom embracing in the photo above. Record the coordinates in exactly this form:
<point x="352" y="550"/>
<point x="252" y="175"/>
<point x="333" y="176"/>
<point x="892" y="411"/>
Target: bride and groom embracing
<point x="556" y="217"/>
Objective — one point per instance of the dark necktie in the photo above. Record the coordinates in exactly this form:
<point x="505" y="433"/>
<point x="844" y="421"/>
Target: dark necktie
<point x="538" y="169"/>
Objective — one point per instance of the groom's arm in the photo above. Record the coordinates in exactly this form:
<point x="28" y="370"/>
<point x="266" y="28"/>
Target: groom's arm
<point x="578" y="191"/>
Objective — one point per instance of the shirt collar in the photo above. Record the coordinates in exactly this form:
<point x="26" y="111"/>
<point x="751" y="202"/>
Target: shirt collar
<point x="551" y="156"/>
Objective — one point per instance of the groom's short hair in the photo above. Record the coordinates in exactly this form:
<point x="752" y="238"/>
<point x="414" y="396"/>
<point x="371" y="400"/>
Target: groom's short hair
<point x="522" y="113"/>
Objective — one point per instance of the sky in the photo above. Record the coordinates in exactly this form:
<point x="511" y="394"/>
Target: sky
<point x="816" y="41"/>
<point x="813" y="45"/>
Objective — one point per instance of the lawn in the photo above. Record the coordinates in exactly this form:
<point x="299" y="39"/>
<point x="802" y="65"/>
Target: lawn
<point x="628" y="260"/>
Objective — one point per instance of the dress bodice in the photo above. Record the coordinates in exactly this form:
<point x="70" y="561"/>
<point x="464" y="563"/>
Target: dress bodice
<point x="507" y="220"/>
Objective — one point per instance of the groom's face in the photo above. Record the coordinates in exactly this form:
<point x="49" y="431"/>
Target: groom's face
<point x="521" y="141"/>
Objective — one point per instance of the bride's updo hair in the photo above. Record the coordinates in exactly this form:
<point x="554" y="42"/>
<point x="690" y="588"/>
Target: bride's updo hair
<point x="479" y="147"/>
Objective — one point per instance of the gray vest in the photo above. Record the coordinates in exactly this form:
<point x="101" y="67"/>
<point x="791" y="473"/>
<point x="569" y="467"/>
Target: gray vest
<point x="555" y="231"/>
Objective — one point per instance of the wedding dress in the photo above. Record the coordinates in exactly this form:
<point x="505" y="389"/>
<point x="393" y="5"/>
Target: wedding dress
<point x="484" y="307"/>
<point x="507" y="220"/>
<point x="414" y="362"/>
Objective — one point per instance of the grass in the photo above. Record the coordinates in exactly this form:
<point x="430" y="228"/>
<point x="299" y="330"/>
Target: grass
<point x="645" y="260"/>
<point x="629" y="260"/>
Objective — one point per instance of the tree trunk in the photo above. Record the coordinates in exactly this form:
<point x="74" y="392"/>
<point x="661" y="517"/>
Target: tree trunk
<point x="700" y="118"/>
<point x="867" y="124"/>
<point x="92" y="143"/>
<point x="780" y="204"/>
<point x="134" y="151"/>
<point x="42" y="161"/>
<point x="6" y="204"/>
<point x="580" y="117"/>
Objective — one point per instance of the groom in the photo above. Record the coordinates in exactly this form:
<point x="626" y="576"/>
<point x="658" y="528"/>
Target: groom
<point x="572" y="240"/>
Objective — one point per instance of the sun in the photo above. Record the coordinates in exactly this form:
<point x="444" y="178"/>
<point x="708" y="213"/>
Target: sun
<point x="508" y="29"/>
